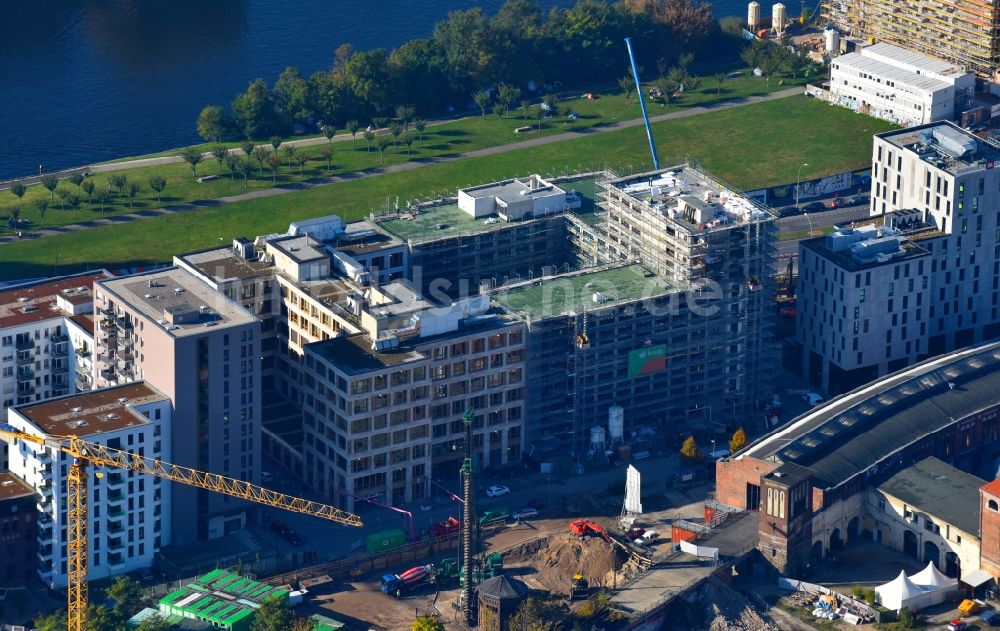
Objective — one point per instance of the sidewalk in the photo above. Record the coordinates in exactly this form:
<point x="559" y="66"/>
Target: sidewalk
<point x="394" y="168"/>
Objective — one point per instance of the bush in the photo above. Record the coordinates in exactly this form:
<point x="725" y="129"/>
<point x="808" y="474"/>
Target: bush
<point x="905" y="619"/>
<point x="858" y="592"/>
<point x="870" y="596"/>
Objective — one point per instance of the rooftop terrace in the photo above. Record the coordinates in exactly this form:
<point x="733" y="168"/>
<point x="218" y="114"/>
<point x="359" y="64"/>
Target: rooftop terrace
<point x="37" y="302"/>
<point x="946" y="146"/>
<point x="222" y="264"/>
<point x="586" y="291"/>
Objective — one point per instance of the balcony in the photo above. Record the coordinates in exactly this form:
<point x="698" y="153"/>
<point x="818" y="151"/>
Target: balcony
<point x="25" y="373"/>
<point x="116" y="561"/>
<point x="25" y="359"/>
<point x="43" y="504"/>
<point x="25" y="390"/>
<point x="115" y="527"/>
<point x="115" y="495"/>
<point x="59" y="338"/>
<point x="23" y="345"/>
<point x="44" y="533"/>
<point x="115" y="480"/>
<point x="44" y="554"/>
<point x="60" y="350"/>
<point x="115" y="511"/>
<point x="116" y="543"/>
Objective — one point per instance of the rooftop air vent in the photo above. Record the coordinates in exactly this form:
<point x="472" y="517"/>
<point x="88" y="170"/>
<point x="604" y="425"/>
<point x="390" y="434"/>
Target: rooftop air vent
<point x="111" y="416"/>
<point x="178" y="290"/>
<point x="22" y="299"/>
<point x="77" y="410"/>
<point x="122" y="399"/>
<point x="148" y="296"/>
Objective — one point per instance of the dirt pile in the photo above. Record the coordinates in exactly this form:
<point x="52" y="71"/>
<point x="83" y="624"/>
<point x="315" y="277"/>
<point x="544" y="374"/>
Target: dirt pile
<point x="728" y="610"/>
<point x="555" y="559"/>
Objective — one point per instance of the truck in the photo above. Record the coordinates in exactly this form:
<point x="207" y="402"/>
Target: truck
<point x="493" y="518"/>
<point x="446" y="527"/>
<point x="385" y="541"/>
<point x="396" y="584"/>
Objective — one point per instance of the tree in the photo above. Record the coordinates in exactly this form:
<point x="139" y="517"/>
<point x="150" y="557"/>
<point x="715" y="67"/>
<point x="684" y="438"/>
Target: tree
<point x="219" y="152"/>
<point x="539" y="115"/>
<point x="102" y="197"/>
<point x="127" y="594"/>
<point x="381" y="142"/>
<point x="396" y="130"/>
<point x="272" y="161"/>
<point x="301" y="159"/>
<point x="49" y="183"/>
<point x="301" y="623"/>
<point x="118" y="181"/>
<point x="290" y="152"/>
<point x="420" y="125"/>
<point x="353" y="126"/>
<point x="380" y="121"/>
<point x="88" y="187"/>
<point x="906" y="620"/>
<point x="192" y="157"/>
<point x="550" y="100"/>
<point x="738" y="441"/>
<point x="507" y="94"/>
<point x="689" y="451"/>
<point x="720" y="78"/>
<point x="154" y="622"/>
<point x="329" y="131"/>
<point x="327" y="153"/>
<point x="260" y="154"/>
<point x="76" y="179"/>
<point x="246" y="169"/>
<point x="525" y="106"/>
<point x="291" y="97"/>
<point x="99" y="619"/>
<point x="369" y="136"/>
<point x="427" y="623"/>
<point x="131" y="190"/>
<point x="157" y="183"/>
<point x="627" y="85"/>
<point x="18" y="190"/>
<point x="498" y="111"/>
<point x="73" y="200"/>
<point x="537" y="614"/>
<point x="232" y="163"/>
<point x="212" y="123"/>
<point x="248" y="148"/>
<point x="52" y="622"/>
<point x="41" y="204"/>
<point x="254" y="110"/>
<point x="63" y="194"/>
<point x="408" y="141"/>
<point x="405" y="114"/>
<point x="564" y="112"/>
<point x="272" y="615"/>
<point x="15" y="214"/>
<point x="276" y="142"/>
<point x="366" y="74"/>
<point x="482" y="99"/>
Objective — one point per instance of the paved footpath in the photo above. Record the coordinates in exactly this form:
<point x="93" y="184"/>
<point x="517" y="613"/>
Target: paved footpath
<point x="393" y="168"/>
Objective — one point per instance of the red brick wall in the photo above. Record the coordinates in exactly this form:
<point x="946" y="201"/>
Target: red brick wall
<point x="732" y="476"/>
<point x="989" y="546"/>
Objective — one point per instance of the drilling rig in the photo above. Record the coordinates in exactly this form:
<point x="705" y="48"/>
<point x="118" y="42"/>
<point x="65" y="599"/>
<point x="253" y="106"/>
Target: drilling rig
<point x="469" y="526"/>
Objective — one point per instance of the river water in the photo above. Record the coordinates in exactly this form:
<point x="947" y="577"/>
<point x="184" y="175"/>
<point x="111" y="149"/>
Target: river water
<point x="89" y="80"/>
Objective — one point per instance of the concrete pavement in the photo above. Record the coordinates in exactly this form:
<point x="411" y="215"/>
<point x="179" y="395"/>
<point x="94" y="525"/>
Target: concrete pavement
<point x="394" y="168"/>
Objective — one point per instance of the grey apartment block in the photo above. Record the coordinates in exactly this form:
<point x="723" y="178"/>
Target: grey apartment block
<point x="921" y="277"/>
<point x="384" y="422"/>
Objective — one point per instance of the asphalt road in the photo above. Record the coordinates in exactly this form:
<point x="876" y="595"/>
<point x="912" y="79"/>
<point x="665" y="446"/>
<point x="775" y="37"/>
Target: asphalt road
<point x="818" y="220"/>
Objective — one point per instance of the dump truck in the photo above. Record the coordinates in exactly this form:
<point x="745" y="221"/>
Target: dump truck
<point x="579" y="587"/>
<point x="396" y="584"/>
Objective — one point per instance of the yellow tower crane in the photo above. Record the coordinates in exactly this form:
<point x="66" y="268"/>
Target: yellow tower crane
<point x="85" y="454"/>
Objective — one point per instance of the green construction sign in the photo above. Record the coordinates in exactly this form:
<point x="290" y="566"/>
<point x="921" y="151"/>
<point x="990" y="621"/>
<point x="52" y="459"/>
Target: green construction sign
<point x="647" y="360"/>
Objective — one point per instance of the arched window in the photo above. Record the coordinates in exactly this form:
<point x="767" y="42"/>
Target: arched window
<point x="993" y="505"/>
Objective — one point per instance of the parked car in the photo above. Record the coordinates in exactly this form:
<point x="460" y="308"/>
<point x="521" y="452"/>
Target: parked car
<point x="814" y="207"/>
<point x="959" y="625"/>
<point x="857" y="200"/>
<point x="836" y="202"/>
<point x="789" y="211"/>
<point x="525" y="513"/>
<point x="812" y="399"/>
<point x="497" y="490"/>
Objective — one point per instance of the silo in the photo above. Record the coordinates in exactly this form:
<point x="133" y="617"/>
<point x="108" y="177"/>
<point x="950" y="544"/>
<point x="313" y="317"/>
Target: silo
<point x="616" y="424"/>
<point x="832" y="38"/>
<point x="778" y="18"/>
<point x="753" y="16"/>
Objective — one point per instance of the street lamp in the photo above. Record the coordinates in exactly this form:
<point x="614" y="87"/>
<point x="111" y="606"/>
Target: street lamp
<point x="798" y="191"/>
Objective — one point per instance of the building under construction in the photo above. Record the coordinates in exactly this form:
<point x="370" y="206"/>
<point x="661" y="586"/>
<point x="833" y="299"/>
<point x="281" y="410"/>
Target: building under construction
<point x="963" y="32"/>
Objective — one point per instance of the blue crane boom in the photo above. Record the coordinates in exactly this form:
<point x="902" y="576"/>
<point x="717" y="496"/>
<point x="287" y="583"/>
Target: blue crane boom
<point x="642" y="104"/>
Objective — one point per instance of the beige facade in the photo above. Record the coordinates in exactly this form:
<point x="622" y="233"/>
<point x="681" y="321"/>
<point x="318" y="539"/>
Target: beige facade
<point x="203" y="351"/>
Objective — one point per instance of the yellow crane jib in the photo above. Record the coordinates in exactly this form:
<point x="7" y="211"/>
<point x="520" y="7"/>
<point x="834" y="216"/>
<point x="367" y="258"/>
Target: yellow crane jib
<point x="86" y="453"/>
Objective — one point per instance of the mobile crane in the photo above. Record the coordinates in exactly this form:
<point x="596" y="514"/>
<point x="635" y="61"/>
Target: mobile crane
<point x="87" y="454"/>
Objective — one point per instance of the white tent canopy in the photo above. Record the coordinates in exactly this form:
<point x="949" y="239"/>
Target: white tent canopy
<point x="932" y="578"/>
<point x="901" y="593"/>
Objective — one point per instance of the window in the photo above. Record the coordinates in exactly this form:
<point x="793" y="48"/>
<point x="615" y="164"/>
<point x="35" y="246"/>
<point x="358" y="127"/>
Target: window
<point x="993" y="505"/>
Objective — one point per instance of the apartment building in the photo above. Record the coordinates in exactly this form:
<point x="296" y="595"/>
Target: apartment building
<point x="202" y="350"/>
<point x="18" y="531"/>
<point x="45" y="334"/>
<point x="383" y="415"/>
<point x="129" y="513"/>
<point x="919" y="279"/>
<point x="899" y="85"/>
<point x="960" y="33"/>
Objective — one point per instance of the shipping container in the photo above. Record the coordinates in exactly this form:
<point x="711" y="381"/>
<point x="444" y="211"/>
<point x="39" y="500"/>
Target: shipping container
<point x="385" y="541"/>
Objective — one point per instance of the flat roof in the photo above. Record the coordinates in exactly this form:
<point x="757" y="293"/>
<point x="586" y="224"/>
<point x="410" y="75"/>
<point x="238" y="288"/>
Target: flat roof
<point x="301" y="249"/>
<point x="36" y="302"/>
<point x="856" y="431"/>
<point x="13" y="487"/>
<point x="918" y="82"/>
<point x="916" y="60"/>
<point x="925" y="142"/>
<point x="935" y="487"/>
<point x="177" y="289"/>
<point x="222" y="264"/>
<point x="364" y="237"/>
<point x="575" y="292"/>
<point x="514" y="190"/>
<point x="92" y="412"/>
<point x="848" y="260"/>
<point x="353" y="354"/>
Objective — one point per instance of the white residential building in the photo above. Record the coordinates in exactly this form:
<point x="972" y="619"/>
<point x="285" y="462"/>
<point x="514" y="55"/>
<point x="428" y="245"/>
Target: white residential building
<point x="922" y="278"/>
<point x="129" y="513"/>
<point x="46" y="329"/>
<point x="901" y="86"/>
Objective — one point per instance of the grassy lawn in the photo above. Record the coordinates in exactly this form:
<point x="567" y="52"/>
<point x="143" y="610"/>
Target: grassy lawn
<point x="795" y="235"/>
<point x="753" y="146"/>
<point x="449" y="138"/>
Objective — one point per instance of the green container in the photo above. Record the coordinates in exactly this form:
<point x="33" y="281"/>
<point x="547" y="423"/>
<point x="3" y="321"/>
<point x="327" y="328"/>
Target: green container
<point x="493" y="516"/>
<point x="385" y="541"/>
